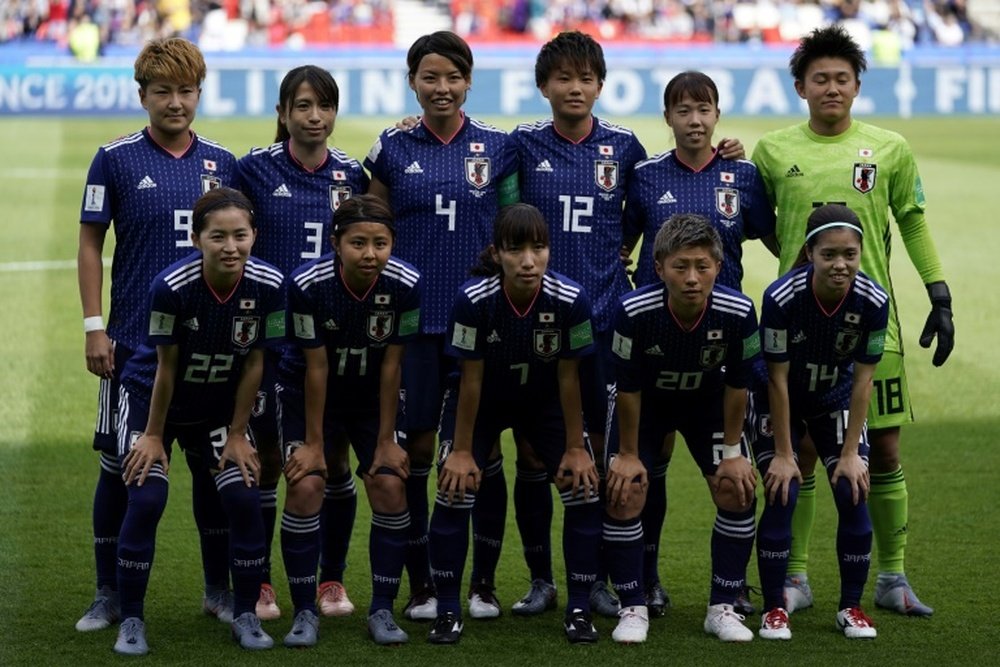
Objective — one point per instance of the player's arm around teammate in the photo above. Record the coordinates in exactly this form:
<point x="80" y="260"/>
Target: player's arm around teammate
<point x="195" y="381"/>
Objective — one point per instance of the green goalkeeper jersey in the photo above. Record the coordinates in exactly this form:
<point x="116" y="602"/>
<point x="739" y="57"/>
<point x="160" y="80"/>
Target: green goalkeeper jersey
<point x="868" y="169"/>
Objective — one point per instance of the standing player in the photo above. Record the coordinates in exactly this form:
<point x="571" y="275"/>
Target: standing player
<point x="519" y="333"/>
<point x="350" y="312"/>
<point x="296" y="184"/>
<point x="692" y="178"/>
<point x="833" y="158"/>
<point x="683" y="351"/>
<point x="195" y="380"/>
<point x="145" y="184"/>
<point x="823" y="326"/>
<point x="445" y="179"/>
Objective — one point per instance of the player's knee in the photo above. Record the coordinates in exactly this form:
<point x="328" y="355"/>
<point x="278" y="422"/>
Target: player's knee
<point x="420" y="447"/>
<point x="726" y="495"/>
<point x="631" y="508"/>
<point x="147" y="502"/>
<point x="305" y="497"/>
<point x="386" y="491"/>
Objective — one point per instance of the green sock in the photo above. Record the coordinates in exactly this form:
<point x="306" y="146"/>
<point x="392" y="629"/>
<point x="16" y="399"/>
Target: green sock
<point x="887" y="506"/>
<point x="802" y="525"/>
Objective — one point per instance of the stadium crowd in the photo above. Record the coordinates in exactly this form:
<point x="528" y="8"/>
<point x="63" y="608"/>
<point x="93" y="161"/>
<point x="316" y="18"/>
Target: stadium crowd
<point x="235" y="24"/>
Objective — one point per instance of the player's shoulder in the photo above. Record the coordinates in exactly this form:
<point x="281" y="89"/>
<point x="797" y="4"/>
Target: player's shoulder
<point x="257" y="270"/>
<point x="644" y="299"/>
<point x="482" y="126"/>
<point x="776" y="138"/>
<point x="124" y="142"/>
<point x="787" y="286"/>
<point x="614" y="129"/>
<point x="342" y="158"/>
<point x="561" y="287"/>
<point x="653" y="161"/>
<point x="870" y="290"/>
<point x="480" y="288"/>
<point x="315" y="271"/>
<point x="728" y="300"/>
<point x="880" y="136"/>
<point x="532" y="128"/>
<point x="211" y="146"/>
<point x="401" y="272"/>
<point x="182" y="272"/>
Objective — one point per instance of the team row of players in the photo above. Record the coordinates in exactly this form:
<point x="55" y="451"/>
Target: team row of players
<point x="446" y="179"/>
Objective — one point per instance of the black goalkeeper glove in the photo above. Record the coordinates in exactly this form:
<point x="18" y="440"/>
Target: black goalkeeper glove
<point x="939" y="323"/>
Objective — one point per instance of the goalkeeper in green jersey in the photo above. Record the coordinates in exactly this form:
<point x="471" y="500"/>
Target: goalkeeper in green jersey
<point x="834" y="158"/>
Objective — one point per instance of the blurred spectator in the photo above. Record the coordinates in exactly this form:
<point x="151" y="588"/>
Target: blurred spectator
<point x="235" y="24"/>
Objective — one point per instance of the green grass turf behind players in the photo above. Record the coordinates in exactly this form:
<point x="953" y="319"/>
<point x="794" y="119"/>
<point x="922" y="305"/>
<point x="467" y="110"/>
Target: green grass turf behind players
<point x="47" y="403"/>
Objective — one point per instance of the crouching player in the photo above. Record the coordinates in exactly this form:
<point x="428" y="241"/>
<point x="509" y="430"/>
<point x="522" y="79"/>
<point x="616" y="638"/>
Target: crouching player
<point x="349" y="314"/>
<point x="195" y="381"/>
<point x="519" y="332"/>
<point x="683" y="348"/>
<point x="823" y="326"/>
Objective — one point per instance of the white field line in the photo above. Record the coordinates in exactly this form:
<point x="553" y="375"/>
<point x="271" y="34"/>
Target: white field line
<point x="44" y="265"/>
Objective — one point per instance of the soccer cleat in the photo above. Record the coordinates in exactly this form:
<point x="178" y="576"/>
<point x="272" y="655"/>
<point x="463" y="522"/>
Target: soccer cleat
<point x="855" y="624"/>
<point x="603" y="601"/>
<point x="422" y="606"/>
<point x="892" y="591"/>
<point x="304" y="632"/>
<point x="332" y="599"/>
<point x="267" y="604"/>
<point x="798" y="595"/>
<point x="483" y="603"/>
<point x="247" y="631"/>
<point x="726" y="624"/>
<point x="103" y="611"/>
<point x="218" y="602"/>
<point x="540" y="597"/>
<point x="447" y="629"/>
<point x="774" y="625"/>
<point x="132" y="637"/>
<point x="657" y="599"/>
<point x="579" y="627"/>
<point x="633" y="625"/>
<point x="383" y="629"/>
<point x="742" y="604"/>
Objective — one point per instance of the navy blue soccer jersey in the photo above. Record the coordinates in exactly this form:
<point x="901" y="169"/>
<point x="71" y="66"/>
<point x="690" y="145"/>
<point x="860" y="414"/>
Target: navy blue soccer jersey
<point x="445" y="197"/>
<point x="520" y="350"/>
<point x="213" y="332"/>
<point x="730" y="193"/>
<point x="678" y="369"/>
<point x="820" y="346"/>
<point x="293" y="206"/>
<point x="148" y="194"/>
<point x="354" y="328"/>
<point x="580" y="188"/>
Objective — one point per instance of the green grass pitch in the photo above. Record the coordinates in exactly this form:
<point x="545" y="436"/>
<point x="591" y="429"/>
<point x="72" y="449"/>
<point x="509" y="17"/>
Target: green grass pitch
<point x="47" y="402"/>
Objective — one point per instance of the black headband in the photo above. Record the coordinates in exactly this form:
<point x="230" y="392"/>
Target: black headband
<point x="343" y="221"/>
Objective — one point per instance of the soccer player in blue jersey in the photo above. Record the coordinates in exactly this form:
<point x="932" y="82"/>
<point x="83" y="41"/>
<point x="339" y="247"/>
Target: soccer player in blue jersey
<point x="295" y="185"/>
<point x="519" y="332"/>
<point x="823" y="326"/>
<point x="683" y="350"/>
<point x="195" y="380"/>
<point x="350" y="313"/>
<point x="693" y="177"/>
<point x="145" y="184"/>
<point x="445" y="179"/>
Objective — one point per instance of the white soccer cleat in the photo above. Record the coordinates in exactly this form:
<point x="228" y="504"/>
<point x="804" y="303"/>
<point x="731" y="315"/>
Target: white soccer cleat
<point x="855" y="624"/>
<point x="726" y="624"/>
<point x="894" y="592"/>
<point x="774" y="625"/>
<point x="798" y="594"/>
<point x="483" y="603"/>
<point x="267" y="604"/>
<point x="633" y="625"/>
<point x="332" y="599"/>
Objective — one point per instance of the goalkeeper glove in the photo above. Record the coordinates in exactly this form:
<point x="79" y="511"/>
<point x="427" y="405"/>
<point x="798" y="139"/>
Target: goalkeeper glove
<point x="939" y="322"/>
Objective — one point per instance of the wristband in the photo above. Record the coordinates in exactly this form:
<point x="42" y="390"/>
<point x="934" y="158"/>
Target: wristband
<point x="731" y="451"/>
<point x="94" y="323"/>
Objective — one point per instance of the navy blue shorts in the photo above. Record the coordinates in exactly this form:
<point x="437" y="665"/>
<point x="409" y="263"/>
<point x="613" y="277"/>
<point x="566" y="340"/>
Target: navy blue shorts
<point x="425" y="371"/>
<point x="595" y="380"/>
<point x="264" y="417"/>
<point x="106" y="428"/>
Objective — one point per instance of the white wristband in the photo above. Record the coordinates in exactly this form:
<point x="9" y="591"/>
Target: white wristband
<point x="95" y="323"/>
<point x="731" y="451"/>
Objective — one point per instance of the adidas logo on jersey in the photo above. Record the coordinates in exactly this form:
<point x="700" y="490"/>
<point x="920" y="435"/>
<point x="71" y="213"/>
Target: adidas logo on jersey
<point x="793" y="172"/>
<point x="655" y="351"/>
<point x="414" y="168"/>
<point x="146" y="183"/>
<point x="330" y="325"/>
<point x="799" y="337"/>
<point x="281" y="191"/>
<point x="191" y="324"/>
<point x="667" y="198"/>
<point x="494" y="337"/>
<point x="544" y="166"/>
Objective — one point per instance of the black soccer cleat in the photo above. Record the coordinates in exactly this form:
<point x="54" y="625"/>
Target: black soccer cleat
<point x="447" y="629"/>
<point x="579" y="627"/>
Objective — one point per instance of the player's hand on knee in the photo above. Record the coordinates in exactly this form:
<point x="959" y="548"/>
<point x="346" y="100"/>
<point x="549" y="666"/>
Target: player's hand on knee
<point x="778" y="479"/>
<point x="147" y="451"/>
<point x="241" y="453"/>
<point x="853" y="469"/>
<point x="388" y="454"/>
<point x="305" y="460"/>
<point x="624" y="473"/>
<point x="740" y="472"/>
<point x="459" y="473"/>
<point x="578" y="466"/>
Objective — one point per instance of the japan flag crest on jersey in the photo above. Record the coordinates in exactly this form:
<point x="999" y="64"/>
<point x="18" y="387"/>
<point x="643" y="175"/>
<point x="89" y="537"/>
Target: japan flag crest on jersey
<point x="338" y="195"/>
<point x="864" y="176"/>
<point x="727" y="201"/>
<point x="477" y="171"/>
<point x="606" y="174"/>
<point x="547" y="342"/>
<point x="380" y="324"/>
<point x="245" y="330"/>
